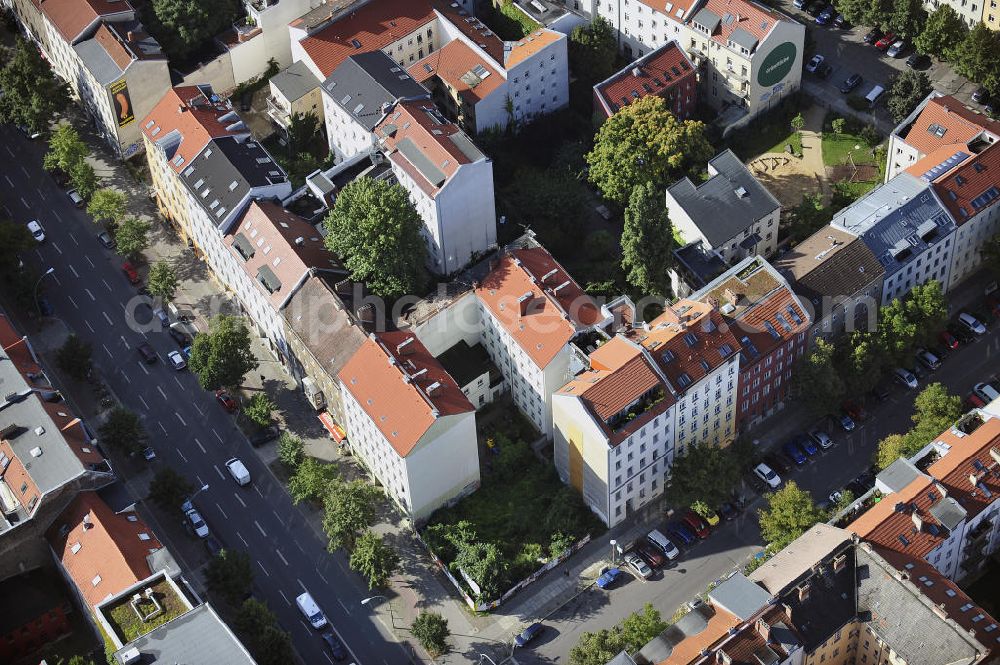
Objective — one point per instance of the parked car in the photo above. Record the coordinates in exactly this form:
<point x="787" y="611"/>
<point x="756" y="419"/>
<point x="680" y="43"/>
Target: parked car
<point x="821" y="438"/>
<point x="697" y="523"/>
<point x="176" y="360"/>
<point x="825" y="16"/>
<point x="263" y="435"/>
<point x="334" y="646"/>
<point x="841" y="21"/>
<point x="792" y="450"/>
<point x="213" y="546"/>
<point x="638" y="566"/>
<point x="728" y="511"/>
<point x="806" y="444"/>
<point x="814" y="63"/>
<point x="680" y="533"/>
<point x="880" y="392"/>
<point x="147" y="353"/>
<point x="824" y="71"/>
<point x="130" y="272"/>
<point x="974" y="401"/>
<point x="664" y="544"/>
<point x="227" y="402"/>
<point x="765" y="473"/>
<point x="917" y="61"/>
<point x="712" y="518"/>
<point x="918" y="371"/>
<point x="852" y="82"/>
<point x="981" y="95"/>
<point x="776" y="463"/>
<point x="528" y="634"/>
<point x="105" y="239"/>
<point x="75" y="198"/>
<point x="609" y="578"/>
<point x="949" y="340"/>
<point x="886" y="41"/>
<point x="195" y="520"/>
<point x="960" y="332"/>
<point x="846" y="422"/>
<point x="971" y="323"/>
<point x="897" y="48"/>
<point x="798" y="4"/>
<point x="854" y="410"/>
<point x="928" y="359"/>
<point x="651" y="555"/>
<point x="815" y="9"/>
<point x="986" y="392"/>
<point x="873" y="36"/>
<point x="904" y="377"/>
<point x="179" y="336"/>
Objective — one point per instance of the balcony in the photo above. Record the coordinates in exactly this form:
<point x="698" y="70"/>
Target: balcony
<point x="981" y="531"/>
<point x="246" y="29"/>
<point x="277" y="111"/>
<point x="621" y="419"/>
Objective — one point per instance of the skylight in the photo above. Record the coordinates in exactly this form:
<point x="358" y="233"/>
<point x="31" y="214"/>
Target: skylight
<point x="771" y="330"/>
<point x="690" y="339"/>
<point x="795" y="315"/>
<point x="684" y="380"/>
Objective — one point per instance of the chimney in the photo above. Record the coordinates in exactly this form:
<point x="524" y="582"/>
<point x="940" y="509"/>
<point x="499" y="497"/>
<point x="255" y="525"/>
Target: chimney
<point x="366" y="313"/>
<point x="732" y="296"/>
<point x="420" y="372"/>
<point x="300" y="241"/>
<point x="87" y="522"/>
<point x="560" y="287"/>
<point x="637" y="72"/>
<point x="839" y="562"/>
<point x="130" y="36"/>
<point x="549" y="274"/>
<point x="180" y="108"/>
<point x="343" y="287"/>
<point x="524" y="301"/>
<point x="402" y="345"/>
<point x="764" y="629"/>
<point x="803" y="590"/>
<point x="434" y="386"/>
<point x="713" y="302"/>
<point x="973" y="479"/>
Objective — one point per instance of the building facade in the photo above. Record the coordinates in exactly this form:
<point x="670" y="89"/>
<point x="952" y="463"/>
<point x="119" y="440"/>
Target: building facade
<point x="666" y="72"/>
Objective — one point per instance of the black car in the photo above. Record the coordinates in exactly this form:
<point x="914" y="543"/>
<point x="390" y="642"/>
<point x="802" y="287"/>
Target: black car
<point x="728" y="511"/>
<point x="777" y="464"/>
<point x="917" y="61"/>
<point x="179" y="336"/>
<point x="212" y="545"/>
<point x="841" y="22"/>
<point x="980" y="95"/>
<point x="824" y="71"/>
<point x="852" y="82"/>
<point x="873" y="36"/>
<point x="961" y="334"/>
<point x="880" y="392"/>
<point x="335" y="646"/>
<point x="263" y="435"/>
<point x="148" y="354"/>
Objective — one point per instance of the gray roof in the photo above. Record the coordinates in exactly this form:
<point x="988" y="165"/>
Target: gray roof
<point x="197" y="636"/>
<point x="741" y="37"/>
<point x="416" y="156"/>
<point x="466" y="363"/>
<point x="740" y="596"/>
<point x="365" y="82"/>
<point x="708" y="19"/>
<point x="829" y="604"/>
<point x="887" y="219"/>
<point x="97" y="61"/>
<point x="295" y="82"/>
<point x="622" y="659"/>
<point x="660" y="647"/>
<point x="897" y="475"/>
<point x="227" y="169"/>
<point x="948" y="512"/>
<point x="727" y="203"/>
<point x="701" y="264"/>
<point x="795" y="560"/>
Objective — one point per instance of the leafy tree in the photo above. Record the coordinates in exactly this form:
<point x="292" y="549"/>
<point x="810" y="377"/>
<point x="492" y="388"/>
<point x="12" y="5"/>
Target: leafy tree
<point x="808" y="216"/>
<point x="14" y="239"/>
<point x="107" y="205"/>
<point x="817" y="381"/>
<point x="132" y="236"/>
<point x="291" y="450"/>
<point x="66" y="149"/>
<point x="798" y="122"/>
<point x="896" y="331"/>
<point x="78" y="660"/>
<point x="907" y="18"/>
<point x="188" y="25"/>
<point x="375" y="230"/>
<point x="162" y="281"/>
<point x="259" y="627"/>
<point x="300" y="165"/>
<point x="83" y="178"/>
<point x="907" y="90"/>
<point x="790" y="512"/>
<point x="75" y="357"/>
<point x="222" y="357"/>
<point x="168" y="489"/>
<point x="593" y="50"/>
<point x="273" y="647"/>
<point x="705" y="474"/>
<point x="943" y="32"/>
<point x="123" y="431"/>
<point x="550" y="201"/>
<point x="431" y="630"/>
<point x="254" y="617"/>
<point x="935" y="411"/>
<point x="230" y="575"/>
<point x="33" y="95"/>
<point x="485" y="563"/>
<point x="311" y="480"/>
<point x="838" y="125"/>
<point x="927" y="307"/>
<point x="259" y="409"/>
<point x="890" y="449"/>
<point x="846" y="499"/>
<point x="645" y="142"/>
<point x="977" y="57"/>
<point x="855" y="11"/>
<point x="303" y="133"/>
<point x="374" y="559"/>
<point x="647" y="240"/>
<point x="860" y="359"/>
<point x="347" y="509"/>
<point x="632" y="634"/>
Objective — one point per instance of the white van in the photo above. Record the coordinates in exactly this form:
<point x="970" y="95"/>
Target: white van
<point x="311" y="610"/>
<point x="986" y="392"/>
<point x="663" y="544"/>
<point x="873" y="95"/>
<point x="238" y="471"/>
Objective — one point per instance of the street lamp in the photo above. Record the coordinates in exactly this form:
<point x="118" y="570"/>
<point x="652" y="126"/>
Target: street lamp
<point x="614" y="551"/>
<point x="44" y="274"/>
<point x="198" y="491"/>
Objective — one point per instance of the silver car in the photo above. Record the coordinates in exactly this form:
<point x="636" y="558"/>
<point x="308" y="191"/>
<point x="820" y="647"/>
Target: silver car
<point x="638" y="566"/>
<point x="821" y="438"/>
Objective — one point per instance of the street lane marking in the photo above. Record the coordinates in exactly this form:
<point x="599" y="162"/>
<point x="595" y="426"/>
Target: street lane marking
<point x="161" y="426"/>
<point x="125" y="342"/>
<point x="57" y="247"/>
<point x="284" y="597"/>
<point x="108" y="319"/>
<point x="182" y="457"/>
<point x="29" y="208"/>
<point x="73" y="301"/>
<point x="142" y="366"/>
<point x="224" y="516"/>
<point x="54" y="213"/>
<point x="200" y="482"/>
<point x="56" y="279"/>
<point x="143" y="402"/>
<point x="282" y="557"/>
<point x="11" y="153"/>
<point x="331" y="659"/>
<point x="346" y="611"/>
<point x="243" y="539"/>
<point x="276" y="514"/>
<point x="260" y="528"/>
<point x="108" y="350"/>
<point x="127" y="380"/>
<point x="7" y="177"/>
<point x="87" y="291"/>
<point x="163" y="394"/>
<point x="89" y="261"/>
<point x="73" y="270"/>
<point x="302" y="585"/>
<point x="321" y="577"/>
<point x="107" y="285"/>
<point x="263" y="568"/>
<point x="217" y="435"/>
<point x="200" y="446"/>
<point x="178" y="416"/>
<point x="25" y="172"/>
<point x="240" y="499"/>
<point x="195" y="403"/>
<point x="178" y="382"/>
<point x="260" y="493"/>
<point x="221" y="475"/>
<point x="73" y="238"/>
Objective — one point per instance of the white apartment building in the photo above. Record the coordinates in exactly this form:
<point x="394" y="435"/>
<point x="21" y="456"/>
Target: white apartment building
<point x="410" y="423"/>
<point x="970" y="11"/>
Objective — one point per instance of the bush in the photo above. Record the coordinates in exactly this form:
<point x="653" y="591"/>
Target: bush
<point x="291" y="450"/>
<point x="870" y="135"/>
<point x="431" y="630"/>
<point x="258" y="410"/>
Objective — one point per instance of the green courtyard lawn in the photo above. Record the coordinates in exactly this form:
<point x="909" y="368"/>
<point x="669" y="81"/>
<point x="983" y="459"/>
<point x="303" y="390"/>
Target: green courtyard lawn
<point x="837" y="148"/>
<point x="769" y="137"/>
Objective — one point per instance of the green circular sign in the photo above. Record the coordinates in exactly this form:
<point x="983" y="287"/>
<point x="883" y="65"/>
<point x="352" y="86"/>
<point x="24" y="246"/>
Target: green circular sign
<point x="777" y="64"/>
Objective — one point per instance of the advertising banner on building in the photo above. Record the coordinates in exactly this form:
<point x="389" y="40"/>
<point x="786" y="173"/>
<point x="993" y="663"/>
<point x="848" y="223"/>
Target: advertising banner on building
<point x="123" y="103"/>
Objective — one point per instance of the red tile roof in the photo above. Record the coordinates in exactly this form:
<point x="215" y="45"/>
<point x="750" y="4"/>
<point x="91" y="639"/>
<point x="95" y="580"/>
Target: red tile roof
<point x="530" y="45"/>
<point x="72" y="17"/>
<point x="670" y="8"/>
<point x="451" y="63"/>
<point x="196" y="119"/>
<point x="656" y="71"/>
<point x="115" y="49"/>
<point x="111" y="546"/>
<point x="401" y="387"/>
<point x="960" y="125"/>
<point x="939" y="158"/>
<point x="961" y="188"/>
<point x="554" y="309"/>
<point x="750" y="17"/>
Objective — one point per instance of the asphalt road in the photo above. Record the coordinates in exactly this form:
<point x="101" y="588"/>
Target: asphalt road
<point x="188" y="429"/>
<point x="733" y="542"/>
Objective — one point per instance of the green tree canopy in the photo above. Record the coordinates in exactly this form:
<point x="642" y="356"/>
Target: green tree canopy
<point x="376" y="231"/>
<point x="860" y="361"/>
<point x="168" y="489"/>
<point x="222" y="357"/>
<point x="485" y="563"/>
<point x="259" y="409"/>
<point x="908" y="89"/>
<point x="935" y="411"/>
<point x="705" y="473"/>
<point x="897" y="333"/>
<point x="291" y="450"/>
<point x="312" y="480"/>
<point x="14" y="239"/>
<point x="907" y="18"/>
<point x="83" y="178"/>
<point x="978" y="57"/>
<point x="75" y="357"/>
<point x="66" y="149"/>
<point x="927" y="308"/>
<point x="230" y="575"/>
<point x="550" y="202"/>
<point x="645" y="142"/>
<point x="107" y="205"/>
<point x="123" y="431"/>
<point x="263" y="636"/>
<point x="374" y="559"/>
<point x="817" y="380"/>
<point x="431" y="630"/>
<point x="162" y="281"/>
<point x="347" y="509"/>
<point x="647" y="241"/>
<point x="790" y="512"/>
<point x="33" y="95"/>
<point x="593" y="51"/>
<point x="942" y="33"/>
<point x="132" y="236"/>
<point x="188" y="25"/>
<point x="809" y="216"/>
<point x="632" y="634"/>
<point x="890" y="449"/>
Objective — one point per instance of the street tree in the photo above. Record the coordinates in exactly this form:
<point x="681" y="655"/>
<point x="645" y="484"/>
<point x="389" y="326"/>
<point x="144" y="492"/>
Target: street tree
<point x="189" y="25"/>
<point x="162" y="281"/>
<point x="132" y="236"/>
<point x="374" y="559"/>
<point x="83" y="178"/>
<point x="375" y="230"/>
<point x="897" y="332"/>
<point x="123" y="431"/>
<point x="790" y="511"/>
<point x="33" y="94"/>
<point x="593" y="51"/>
<point x="977" y="57"/>
<point x="259" y="409"/>
<point x="860" y="360"/>
<point x="935" y="410"/>
<point x="75" y="357"/>
<point x="817" y="382"/>
<point x="431" y="630"/>
<point x="348" y="507"/>
<point x="943" y="32"/>
<point x="312" y="480"/>
<point x="927" y="308"/>
<point x="268" y="643"/>
<point x="705" y="474"/>
<point x="855" y="11"/>
<point x="890" y="449"/>
<point x="908" y="89"/>
<point x="645" y="143"/>
<point x="168" y="489"/>
<point x="14" y="239"/>
<point x="222" y="357"/>
<point x="291" y="450"/>
<point x="66" y="149"/>
<point x="254" y="617"/>
<point x="107" y="205"/>
<point x="907" y="18"/>
<point x="647" y="241"/>
<point x="230" y="575"/>
<point x="630" y="635"/>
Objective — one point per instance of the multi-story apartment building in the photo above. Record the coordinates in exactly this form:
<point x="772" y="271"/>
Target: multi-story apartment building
<point x="731" y="213"/>
<point x="294" y="91"/>
<point x="905" y="225"/>
<point x="666" y="72"/>
<point x="749" y="55"/>
<point x="98" y="46"/>
<point x="409" y="422"/>
<point x="970" y="11"/>
<point x="991" y="14"/>
<point x="838" y="275"/>
<point x="531" y="73"/>
<point x="771" y="325"/>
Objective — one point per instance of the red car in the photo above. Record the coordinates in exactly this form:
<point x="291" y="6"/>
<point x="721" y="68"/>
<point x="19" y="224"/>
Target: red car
<point x="973" y="401"/>
<point x="696" y="523"/>
<point x="854" y="410"/>
<point x="130" y="272"/>
<point x="949" y="340"/>
<point x="654" y="558"/>
<point x="227" y="402"/>
<point x="886" y="41"/>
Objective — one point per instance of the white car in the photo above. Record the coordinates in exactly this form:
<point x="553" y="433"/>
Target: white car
<point x="238" y="471"/>
<point x="638" y="566"/>
<point x="896" y="49"/>
<point x="177" y="360"/>
<point x="36" y="230"/>
<point x="971" y="323"/>
<point x="197" y="523"/>
<point x="904" y="377"/>
<point x="814" y="64"/>
<point x="765" y="473"/>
